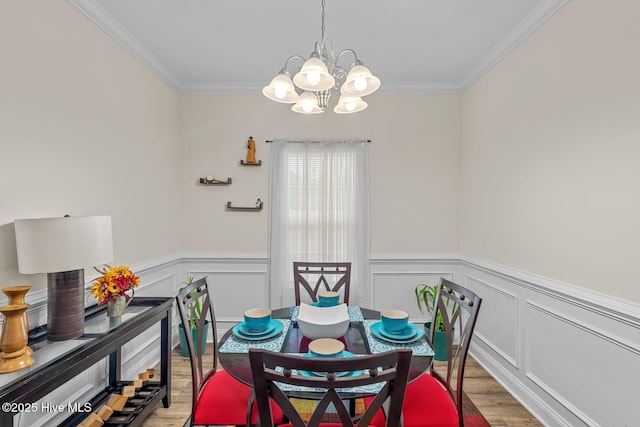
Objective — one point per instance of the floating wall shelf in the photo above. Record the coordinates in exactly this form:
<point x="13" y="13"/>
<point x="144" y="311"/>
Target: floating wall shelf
<point x="258" y="163"/>
<point x="257" y="207"/>
<point x="210" y="181"/>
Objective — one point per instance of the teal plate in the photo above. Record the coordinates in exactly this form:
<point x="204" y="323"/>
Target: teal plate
<point x="376" y="332"/>
<point x="245" y="331"/>
<point x="338" y="374"/>
<point x="279" y="326"/>
<point x="403" y="335"/>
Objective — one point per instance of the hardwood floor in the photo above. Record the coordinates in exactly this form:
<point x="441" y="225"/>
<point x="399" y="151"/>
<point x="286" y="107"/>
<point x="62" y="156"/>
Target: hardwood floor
<point x="498" y="407"/>
<point x="494" y="402"/>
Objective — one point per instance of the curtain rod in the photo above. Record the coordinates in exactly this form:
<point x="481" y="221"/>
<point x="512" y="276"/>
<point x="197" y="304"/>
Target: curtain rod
<point x="313" y="140"/>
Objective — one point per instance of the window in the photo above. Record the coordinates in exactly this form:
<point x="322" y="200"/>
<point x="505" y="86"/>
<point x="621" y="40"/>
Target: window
<point x="319" y="197"/>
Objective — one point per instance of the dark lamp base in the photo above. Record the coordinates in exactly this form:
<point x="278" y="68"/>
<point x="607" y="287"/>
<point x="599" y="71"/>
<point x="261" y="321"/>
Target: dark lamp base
<point x="65" y="305"/>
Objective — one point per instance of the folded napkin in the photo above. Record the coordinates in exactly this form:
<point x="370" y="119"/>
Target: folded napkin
<point x="235" y="344"/>
<point x="419" y="347"/>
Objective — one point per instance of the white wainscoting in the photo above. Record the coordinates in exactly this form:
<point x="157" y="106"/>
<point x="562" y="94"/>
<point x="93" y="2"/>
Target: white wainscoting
<point x="394" y="279"/>
<point x="569" y="355"/>
<point x="240" y="282"/>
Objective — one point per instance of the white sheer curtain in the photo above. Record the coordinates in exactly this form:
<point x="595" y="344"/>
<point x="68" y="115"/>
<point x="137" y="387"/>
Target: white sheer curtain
<point x="319" y="211"/>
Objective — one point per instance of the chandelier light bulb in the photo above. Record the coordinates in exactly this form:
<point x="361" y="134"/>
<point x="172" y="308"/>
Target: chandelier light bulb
<point x="280" y="92"/>
<point x="313" y="77"/>
<point x="350" y="106"/>
<point x="360" y="84"/>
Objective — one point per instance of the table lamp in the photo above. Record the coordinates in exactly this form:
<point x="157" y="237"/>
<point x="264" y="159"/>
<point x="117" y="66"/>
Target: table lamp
<point x="62" y="247"/>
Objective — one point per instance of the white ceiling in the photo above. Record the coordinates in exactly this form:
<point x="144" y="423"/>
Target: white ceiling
<point x="239" y="45"/>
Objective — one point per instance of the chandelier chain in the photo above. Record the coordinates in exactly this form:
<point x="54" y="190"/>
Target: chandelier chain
<point x="322" y="28"/>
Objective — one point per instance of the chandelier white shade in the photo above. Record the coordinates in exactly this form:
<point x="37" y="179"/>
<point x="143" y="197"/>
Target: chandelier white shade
<point x="307" y="104"/>
<point x="314" y="75"/>
<point x="319" y="76"/>
<point x="281" y="90"/>
<point x="360" y="82"/>
<point x="349" y="104"/>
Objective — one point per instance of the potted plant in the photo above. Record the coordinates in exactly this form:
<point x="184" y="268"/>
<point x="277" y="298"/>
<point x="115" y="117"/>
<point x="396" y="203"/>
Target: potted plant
<point x="426" y="300"/>
<point x="192" y="317"/>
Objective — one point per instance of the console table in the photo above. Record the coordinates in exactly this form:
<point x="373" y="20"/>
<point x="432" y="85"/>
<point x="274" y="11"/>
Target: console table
<point x="58" y="362"/>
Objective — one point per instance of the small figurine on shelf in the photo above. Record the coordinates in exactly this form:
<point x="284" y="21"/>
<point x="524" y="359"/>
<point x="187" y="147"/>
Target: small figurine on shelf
<point x="258" y="203"/>
<point x="251" y="153"/>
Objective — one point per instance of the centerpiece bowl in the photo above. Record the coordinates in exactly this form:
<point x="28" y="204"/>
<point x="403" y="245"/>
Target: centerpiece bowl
<point x="323" y="322"/>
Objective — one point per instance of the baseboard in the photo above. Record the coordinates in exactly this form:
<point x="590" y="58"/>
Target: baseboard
<point x="538" y="408"/>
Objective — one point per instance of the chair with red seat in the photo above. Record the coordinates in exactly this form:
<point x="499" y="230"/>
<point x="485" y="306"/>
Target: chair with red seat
<point x="435" y="398"/>
<point x="273" y="371"/>
<point x="218" y="398"/>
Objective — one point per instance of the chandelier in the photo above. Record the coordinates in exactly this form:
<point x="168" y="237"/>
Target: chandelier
<point x="319" y="76"/>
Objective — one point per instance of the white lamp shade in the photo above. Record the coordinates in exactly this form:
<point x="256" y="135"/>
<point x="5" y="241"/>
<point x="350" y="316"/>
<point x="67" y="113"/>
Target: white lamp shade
<point x="281" y="90"/>
<point x="314" y="76"/>
<point x="49" y="245"/>
<point x="360" y="82"/>
<point x="349" y="104"/>
<point x="307" y="104"/>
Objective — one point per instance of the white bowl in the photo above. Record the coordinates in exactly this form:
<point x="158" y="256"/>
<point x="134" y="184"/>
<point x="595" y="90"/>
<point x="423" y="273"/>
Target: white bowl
<point x="323" y="322"/>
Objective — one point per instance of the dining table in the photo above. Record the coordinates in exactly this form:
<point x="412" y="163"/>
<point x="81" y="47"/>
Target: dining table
<point x="233" y="351"/>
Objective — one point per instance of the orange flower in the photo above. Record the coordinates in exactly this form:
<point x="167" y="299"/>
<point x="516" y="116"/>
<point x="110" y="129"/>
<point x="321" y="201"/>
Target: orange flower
<point x="115" y="281"/>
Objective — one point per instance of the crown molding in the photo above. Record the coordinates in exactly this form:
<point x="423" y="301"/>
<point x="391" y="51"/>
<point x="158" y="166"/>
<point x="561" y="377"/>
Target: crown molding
<point x="517" y="35"/>
<point x="534" y="19"/>
<point x="386" y="88"/>
<point x="116" y="31"/>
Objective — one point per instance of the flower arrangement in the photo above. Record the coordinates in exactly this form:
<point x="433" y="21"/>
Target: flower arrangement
<point x="115" y="281"/>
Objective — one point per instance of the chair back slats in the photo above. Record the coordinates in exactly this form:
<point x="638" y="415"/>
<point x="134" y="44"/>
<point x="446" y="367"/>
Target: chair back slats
<point x="192" y="296"/>
<point x="325" y="276"/>
<point x="459" y="308"/>
<point x="270" y="370"/>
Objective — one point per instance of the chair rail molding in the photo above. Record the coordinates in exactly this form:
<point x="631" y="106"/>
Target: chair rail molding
<point x="605" y="305"/>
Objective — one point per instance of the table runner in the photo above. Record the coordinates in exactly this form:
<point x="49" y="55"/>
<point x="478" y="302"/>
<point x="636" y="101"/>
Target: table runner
<point x="419" y="347"/>
<point x="355" y="314"/>
<point x="234" y="344"/>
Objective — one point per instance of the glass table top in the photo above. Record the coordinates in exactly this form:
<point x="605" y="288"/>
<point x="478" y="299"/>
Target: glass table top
<point x="102" y="324"/>
<point x="44" y="353"/>
<point x="47" y="352"/>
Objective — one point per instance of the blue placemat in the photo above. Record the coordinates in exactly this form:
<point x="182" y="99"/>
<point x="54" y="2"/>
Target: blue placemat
<point x="355" y="314"/>
<point x="369" y="388"/>
<point x="237" y="345"/>
<point x="419" y="347"/>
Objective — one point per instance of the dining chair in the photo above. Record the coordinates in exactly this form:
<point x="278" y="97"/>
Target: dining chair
<point x="435" y="398"/>
<point x="328" y="276"/>
<point x="273" y="372"/>
<point x="218" y="398"/>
